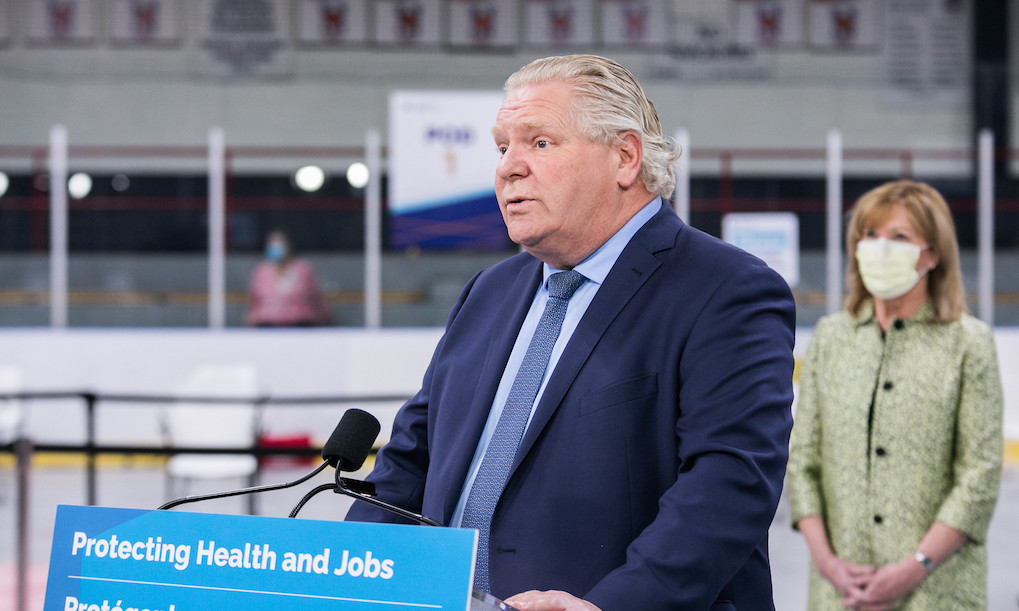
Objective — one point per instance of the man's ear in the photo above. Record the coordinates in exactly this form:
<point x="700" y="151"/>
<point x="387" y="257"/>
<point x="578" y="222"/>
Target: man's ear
<point x="630" y="151"/>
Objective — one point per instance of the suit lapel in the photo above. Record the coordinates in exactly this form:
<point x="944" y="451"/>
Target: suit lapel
<point x="632" y="269"/>
<point x="504" y="329"/>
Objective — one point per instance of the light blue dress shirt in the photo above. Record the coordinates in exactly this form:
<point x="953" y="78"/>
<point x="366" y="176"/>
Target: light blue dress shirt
<point x="595" y="268"/>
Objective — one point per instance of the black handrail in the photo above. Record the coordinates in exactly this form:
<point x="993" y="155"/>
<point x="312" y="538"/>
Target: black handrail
<point x="91" y="448"/>
<point x="23" y="447"/>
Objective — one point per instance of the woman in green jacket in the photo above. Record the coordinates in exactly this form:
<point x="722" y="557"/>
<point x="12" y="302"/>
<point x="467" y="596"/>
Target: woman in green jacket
<point x="896" y="449"/>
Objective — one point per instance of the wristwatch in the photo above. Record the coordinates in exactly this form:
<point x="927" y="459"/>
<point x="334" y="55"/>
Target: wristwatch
<point x="925" y="561"/>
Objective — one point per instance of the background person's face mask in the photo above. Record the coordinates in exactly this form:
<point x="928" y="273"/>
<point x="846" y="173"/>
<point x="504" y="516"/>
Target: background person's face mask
<point x="888" y="268"/>
<point x="275" y="252"/>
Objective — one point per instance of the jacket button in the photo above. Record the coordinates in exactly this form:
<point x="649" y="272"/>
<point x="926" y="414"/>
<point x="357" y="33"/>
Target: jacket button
<point x="878" y="519"/>
<point x="880" y="451"/>
<point x="887" y="386"/>
<point x="898" y="324"/>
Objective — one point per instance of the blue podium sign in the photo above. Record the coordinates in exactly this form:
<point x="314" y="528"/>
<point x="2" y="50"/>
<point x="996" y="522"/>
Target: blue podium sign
<point x="107" y="559"/>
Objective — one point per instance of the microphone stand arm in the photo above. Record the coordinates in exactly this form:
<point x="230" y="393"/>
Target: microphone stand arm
<point x="307" y="497"/>
<point x="265" y="488"/>
<point x="342" y="488"/>
<point x="362" y="491"/>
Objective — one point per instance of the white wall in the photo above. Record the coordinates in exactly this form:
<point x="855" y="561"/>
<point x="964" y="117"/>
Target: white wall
<point x="320" y="362"/>
<point x="290" y="363"/>
<point x="131" y="96"/>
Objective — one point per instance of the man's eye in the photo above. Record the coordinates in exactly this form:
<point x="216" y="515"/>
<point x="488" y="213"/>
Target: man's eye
<point x="502" y="150"/>
<point x="541" y="144"/>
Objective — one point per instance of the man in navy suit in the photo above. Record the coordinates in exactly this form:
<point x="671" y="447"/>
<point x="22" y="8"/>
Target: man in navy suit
<point x="653" y="456"/>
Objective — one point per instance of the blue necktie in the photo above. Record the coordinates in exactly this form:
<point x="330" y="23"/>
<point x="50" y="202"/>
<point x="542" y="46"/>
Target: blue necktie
<point x="502" y="448"/>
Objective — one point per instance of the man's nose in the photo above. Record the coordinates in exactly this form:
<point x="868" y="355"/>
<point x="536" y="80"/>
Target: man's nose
<point x="512" y="165"/>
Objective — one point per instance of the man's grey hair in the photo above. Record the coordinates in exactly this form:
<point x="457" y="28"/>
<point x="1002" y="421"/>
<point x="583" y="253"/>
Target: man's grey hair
<point x="609" y="101"/>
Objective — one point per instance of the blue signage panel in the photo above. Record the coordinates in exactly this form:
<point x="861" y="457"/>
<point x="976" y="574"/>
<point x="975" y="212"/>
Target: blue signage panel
<point x="105" y="558"/>
<point x="442" y="162"/>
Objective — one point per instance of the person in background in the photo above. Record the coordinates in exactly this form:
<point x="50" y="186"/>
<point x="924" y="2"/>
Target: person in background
<point x="896" y="450"/>
<point x="283" y="291"/>
<point x="610" y="409"/>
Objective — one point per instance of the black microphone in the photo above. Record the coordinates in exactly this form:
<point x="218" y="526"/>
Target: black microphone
<point x="355" y="449"/>
<point x="351" y="442"/>
<point x="346" y="449"/>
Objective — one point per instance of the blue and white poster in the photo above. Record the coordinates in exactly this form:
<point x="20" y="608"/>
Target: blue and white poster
<point x="442" y="163"/>
<point x="106" y="558"/>
<point x="774" y="237"/>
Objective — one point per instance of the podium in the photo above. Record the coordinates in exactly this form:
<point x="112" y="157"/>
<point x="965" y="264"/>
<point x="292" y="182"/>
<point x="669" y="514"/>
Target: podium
<point x="109" y="558"/>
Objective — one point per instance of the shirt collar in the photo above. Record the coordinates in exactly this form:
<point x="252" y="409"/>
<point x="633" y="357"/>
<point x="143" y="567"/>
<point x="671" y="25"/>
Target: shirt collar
<point x="597" y="265"/>
<point x="866" y="315"/>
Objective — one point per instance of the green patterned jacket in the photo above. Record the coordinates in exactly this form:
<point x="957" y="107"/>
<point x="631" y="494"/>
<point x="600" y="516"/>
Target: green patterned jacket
<point x="893" y="433"/>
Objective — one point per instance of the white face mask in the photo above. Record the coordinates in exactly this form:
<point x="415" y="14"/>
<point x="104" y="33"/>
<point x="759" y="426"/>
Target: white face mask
<point x="888" y="268"/>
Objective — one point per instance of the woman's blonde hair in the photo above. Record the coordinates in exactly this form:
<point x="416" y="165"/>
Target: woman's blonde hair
<point x="930" y="216"/>
<point x="608" y="102"/>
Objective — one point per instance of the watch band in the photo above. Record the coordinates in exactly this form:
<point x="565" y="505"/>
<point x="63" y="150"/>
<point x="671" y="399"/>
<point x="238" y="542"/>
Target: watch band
<point x="924" y="561"/>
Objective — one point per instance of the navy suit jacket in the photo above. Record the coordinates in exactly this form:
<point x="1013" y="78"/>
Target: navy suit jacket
<point x="652" y="468"/>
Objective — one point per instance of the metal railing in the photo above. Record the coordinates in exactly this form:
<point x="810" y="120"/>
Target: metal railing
<point x="24" y="448"/>
<point x="982" y="162"/>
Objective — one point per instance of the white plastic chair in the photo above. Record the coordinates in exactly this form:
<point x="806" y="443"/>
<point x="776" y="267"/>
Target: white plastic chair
<point x="190" y="423"/>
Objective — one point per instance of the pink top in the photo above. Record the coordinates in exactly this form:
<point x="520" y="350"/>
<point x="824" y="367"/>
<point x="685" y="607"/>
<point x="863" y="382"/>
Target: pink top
<point x="292" y="298"/>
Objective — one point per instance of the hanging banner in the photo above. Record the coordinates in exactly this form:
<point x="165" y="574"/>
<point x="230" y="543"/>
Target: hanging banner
<point x="927" y="56"/>
<point x="769" y="23"/>
<point x="144" y="21"/>
<point x="108" y="558"/>
<point x="332" y="21"/>
<point x="701" y="23"/>
<point x="60" y="21"/>
<point x="634" y="23"/>
<point x="840" y="25"/>
<point x="243" y="38"/>
<point x="442" y="163"/>
<point x="560" y="22"/>
<point x="408" y="22"/>
<point x="703" y="45"/>
<point x="483" y="23"/>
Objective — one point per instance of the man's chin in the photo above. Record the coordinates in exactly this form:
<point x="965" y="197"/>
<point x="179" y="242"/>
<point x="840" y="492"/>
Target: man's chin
<point x="522" y="238"/>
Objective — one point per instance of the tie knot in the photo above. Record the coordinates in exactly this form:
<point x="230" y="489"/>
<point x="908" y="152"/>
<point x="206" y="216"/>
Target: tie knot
<point x="562" y="285"/>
